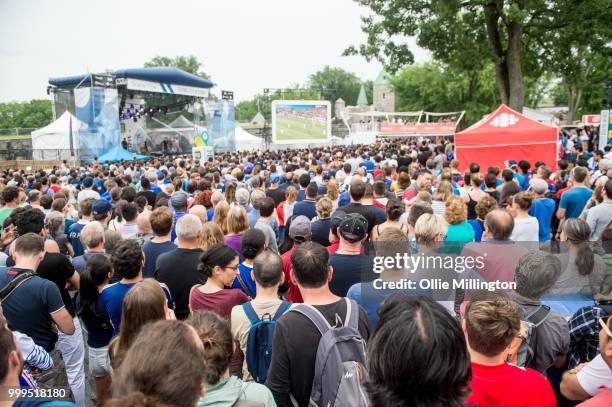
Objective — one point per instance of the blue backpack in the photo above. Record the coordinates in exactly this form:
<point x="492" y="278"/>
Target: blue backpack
<point x="259" y="342"/>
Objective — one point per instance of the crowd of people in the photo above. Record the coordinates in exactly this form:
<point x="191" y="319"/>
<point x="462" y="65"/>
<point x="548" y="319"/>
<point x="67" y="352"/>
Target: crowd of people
<point x="243" y="280"/>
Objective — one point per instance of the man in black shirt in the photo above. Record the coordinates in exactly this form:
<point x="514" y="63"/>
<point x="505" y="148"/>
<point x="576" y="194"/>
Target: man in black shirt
<point x="357" y="192"/>
<point x="296" y="338"/>
<point x="146" y="192"/>
<point x="274" y="191"/>
<point x="178" y="268"/>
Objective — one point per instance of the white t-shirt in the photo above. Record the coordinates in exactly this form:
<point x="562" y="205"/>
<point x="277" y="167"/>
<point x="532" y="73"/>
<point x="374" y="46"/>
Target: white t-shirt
<point x="595" y="377"/>
<point x="525" y="230"/>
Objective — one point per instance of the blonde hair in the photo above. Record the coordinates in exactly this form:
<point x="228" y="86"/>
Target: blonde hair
<point x="324" y="208"/>
<point x="220" y="216"/>
<point x="332" y="189"/>
<point x="444" y="191"/>
<point x="237" y="221"/>
<point x="456" y="211"/>
<point x="428" y="227"/>
<point x="290" y="194"/>
<point x="211" y="234"/>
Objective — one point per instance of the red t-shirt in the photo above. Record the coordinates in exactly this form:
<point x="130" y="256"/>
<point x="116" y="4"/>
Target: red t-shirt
<point x="333" y="247"/>
<point x="294" y="294"/>
<point x="220" y="302"/>
<point x="507" y="385"/>
<point x="55" y="188"/>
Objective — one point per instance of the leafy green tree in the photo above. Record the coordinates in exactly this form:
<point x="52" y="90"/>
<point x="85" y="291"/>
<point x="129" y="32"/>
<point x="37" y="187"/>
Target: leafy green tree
<point x="436" y="88"/>
<point x="346" y="84"/>
<point x="469" y="35"/>
<point x="580" y="54"/>
<point x="33" y="114"/>
<point x="246" y="110"/>
<point x="188" y="63"/>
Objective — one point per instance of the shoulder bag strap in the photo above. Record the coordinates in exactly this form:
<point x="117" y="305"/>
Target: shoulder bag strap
<point x="314" y="315"/>
<point x="14" y="284"/>
<point x="244" y="286"/>
<point x="282" y="308"/>
<point x="248" y="309"/>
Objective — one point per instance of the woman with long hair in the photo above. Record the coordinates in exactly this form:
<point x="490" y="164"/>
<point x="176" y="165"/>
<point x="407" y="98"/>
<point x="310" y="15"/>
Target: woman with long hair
<point x="230" y="192"/>
<point x="583" y="270"/>
<point x="220" y="215"/>
<point x="237" y="225"/>
<point x="473" y="195"/>
<point x="219" y="349"/>
<point x="253" y="243"/>
<point x="144" y="302"/>
<point x="96" y="276"/>
<point x="332" y="193"/>
<point x="55" y="224"/>
<point x="211" y="235"/>
<point x="164" y="367"/>
<point x="443" y="192"/>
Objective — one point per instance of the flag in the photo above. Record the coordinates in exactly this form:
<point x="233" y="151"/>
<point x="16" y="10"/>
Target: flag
<point x="70" y="138"/>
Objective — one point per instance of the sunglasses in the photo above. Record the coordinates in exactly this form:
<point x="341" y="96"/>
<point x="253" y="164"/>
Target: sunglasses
<point x="605" y="327"/>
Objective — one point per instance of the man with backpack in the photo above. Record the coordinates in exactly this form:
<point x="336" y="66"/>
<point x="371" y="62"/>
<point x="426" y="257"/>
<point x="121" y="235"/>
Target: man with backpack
<point x="315" y="333"/>
<point x="547" y="336"/>
<point x="253" y="322"/>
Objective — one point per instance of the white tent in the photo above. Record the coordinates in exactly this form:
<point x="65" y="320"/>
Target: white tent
<point x="52" y="142"/>
<point x="540" y="116"/>
<point x="245" y="141"/>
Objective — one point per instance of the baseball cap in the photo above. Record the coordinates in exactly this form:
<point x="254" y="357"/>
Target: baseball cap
<point x="538" y="185"/>
<point x="274" y="179"/>
<point x="378" y="172"/>
<point x="336" y="219"/>
<point x="512" y="163"/>
<point x="353" y="227"/>
<point x="300" y="227"/>
<point x="179" y="199"/>
<point x="100" y="207"/>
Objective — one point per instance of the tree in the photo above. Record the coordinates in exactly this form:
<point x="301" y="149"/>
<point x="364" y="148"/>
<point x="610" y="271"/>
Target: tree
<point x="580" y="54"/>
<point x="187" y="63"/>
<point x="467" y="34"/>
<point x="346" y="84"/>
<point x="436" y="88"/>
<point x="33" y="114"/>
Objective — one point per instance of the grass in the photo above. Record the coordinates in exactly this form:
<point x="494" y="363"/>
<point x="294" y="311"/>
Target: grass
<point x="298" y="128"/>
<point x="15" y="136"/>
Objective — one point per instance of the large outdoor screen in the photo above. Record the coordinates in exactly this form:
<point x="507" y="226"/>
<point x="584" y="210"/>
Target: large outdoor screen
<point x="301" y="121"/>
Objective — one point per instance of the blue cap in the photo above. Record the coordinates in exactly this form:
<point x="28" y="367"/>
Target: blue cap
<point x="512" y="163"/>
<point x="160" y="175"/>
<point x="274" y="179"/>
<point x="101" y="207"/>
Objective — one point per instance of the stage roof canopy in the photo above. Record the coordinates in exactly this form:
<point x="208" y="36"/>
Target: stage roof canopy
<point x="169" y="75"/>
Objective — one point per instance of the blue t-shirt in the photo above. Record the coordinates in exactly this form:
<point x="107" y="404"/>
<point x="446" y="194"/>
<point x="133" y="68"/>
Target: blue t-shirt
<point x="344" y="199"/>
<point x="245" y="275"/>
<point x="112" y="297"/>
<point x="543" y="210"/>
<point x="210" y="213"/>
<point x="177" y="216"/>
<point x="28" y="309"/>
<point x="152" y="251"/>
<point x="74" y="235"/>
<point x="99" y="328"/>
<point x="573" y="201"/>
<point x="306" y="208"/>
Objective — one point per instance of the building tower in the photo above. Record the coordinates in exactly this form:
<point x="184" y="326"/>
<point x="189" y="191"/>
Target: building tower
<point x="384" y="94"/>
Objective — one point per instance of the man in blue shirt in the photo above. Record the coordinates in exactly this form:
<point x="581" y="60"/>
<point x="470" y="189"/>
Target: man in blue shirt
<point x="127" y="261"/>
<point x="542" y="208"/>
<point x="573" y="200"/>
<point x="307" y="206"/>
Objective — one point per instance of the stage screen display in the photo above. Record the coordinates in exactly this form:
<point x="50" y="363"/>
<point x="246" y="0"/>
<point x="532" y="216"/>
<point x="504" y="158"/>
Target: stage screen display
<point x="301" y="121"/>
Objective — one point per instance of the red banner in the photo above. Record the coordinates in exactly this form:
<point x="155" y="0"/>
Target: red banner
<point x="425" y="128"/>
<point x="591" y="119"/>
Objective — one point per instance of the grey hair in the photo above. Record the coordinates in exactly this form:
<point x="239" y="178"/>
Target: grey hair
<point x="92" y="235"/>
<point x="188" y="227"/>
<point x="536" y="273"/>
<point x="257" y="196"/>
<point x="55" y="223"/>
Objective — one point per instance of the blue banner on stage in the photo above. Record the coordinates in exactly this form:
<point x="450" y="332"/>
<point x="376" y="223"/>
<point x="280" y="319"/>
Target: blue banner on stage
<point x="221" y="125"/>
<point x="98" y="112"/>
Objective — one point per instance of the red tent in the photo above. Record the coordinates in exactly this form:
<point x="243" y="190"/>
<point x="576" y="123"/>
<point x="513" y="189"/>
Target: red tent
<point x="506" y="135"/>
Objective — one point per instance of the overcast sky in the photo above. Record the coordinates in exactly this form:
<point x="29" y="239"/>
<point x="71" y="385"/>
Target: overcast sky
<point x="245" y="45"/>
